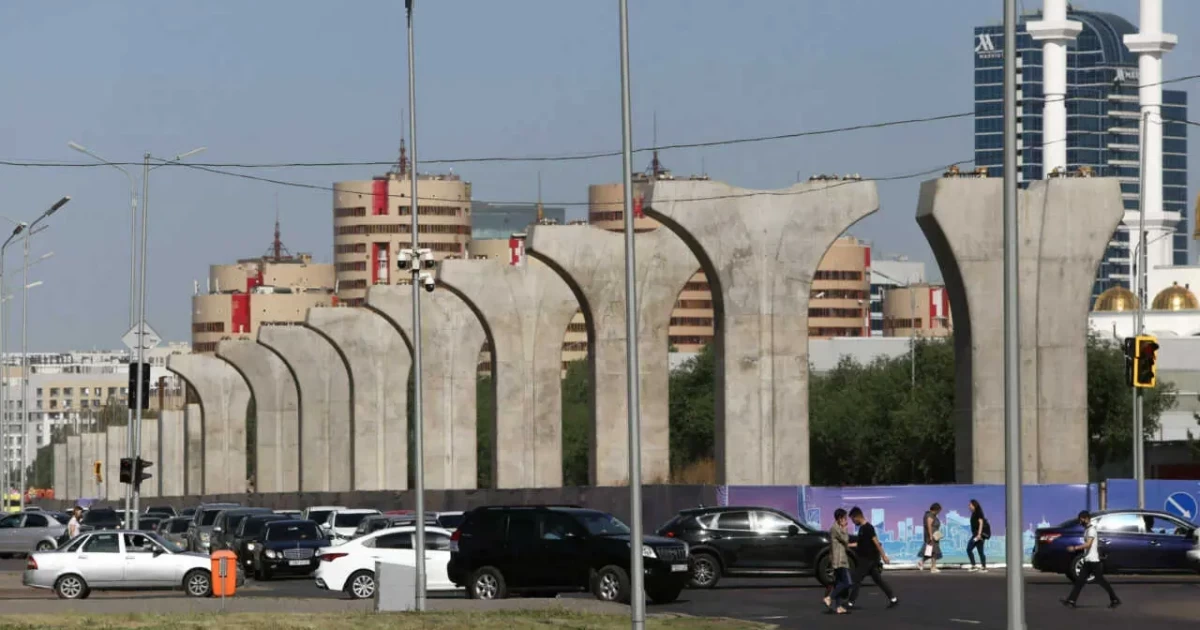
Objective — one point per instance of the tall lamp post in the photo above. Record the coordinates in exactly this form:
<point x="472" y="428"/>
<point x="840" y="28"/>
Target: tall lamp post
<point x="17" y="230"/>
<point x="25" y="341"/>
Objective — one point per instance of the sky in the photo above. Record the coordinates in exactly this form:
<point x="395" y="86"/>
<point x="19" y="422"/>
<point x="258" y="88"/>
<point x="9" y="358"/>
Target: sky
<point x="273" y="81"/>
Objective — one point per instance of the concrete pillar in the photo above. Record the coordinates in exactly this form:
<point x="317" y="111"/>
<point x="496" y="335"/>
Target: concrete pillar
<point x="378" y="362"/>
<point x="74" y="467"/>
<point x="151" y="487"/>
<point x="60" y="470"/>
<point x="525" y="310"/>
<point x="592" y="261"/>
<point x="451" y="339"/>
<point x="224" y="397"/>
<point x="326" y="427"/>
<point x="193" y="455"/>
<point x="117" y="446"/>
<point x="171" y="447"/>
<point x="1065" y="225"/>
<point x="90" y="453"/>
<point x="276" y="404"/>
<point x="760" y="251"/>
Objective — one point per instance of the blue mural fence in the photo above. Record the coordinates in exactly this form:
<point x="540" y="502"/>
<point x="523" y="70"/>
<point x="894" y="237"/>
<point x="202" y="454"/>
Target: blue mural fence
<point x="897" y="511"/>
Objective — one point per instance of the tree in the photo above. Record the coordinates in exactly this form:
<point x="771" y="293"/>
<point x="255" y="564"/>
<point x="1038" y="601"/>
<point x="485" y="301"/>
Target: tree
<point x="692" y="410"/>
<point x="576" y="418"/>
<point x="1110" y="404"/>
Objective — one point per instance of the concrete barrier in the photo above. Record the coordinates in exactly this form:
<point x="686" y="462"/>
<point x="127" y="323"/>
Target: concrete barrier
<point x="193" y="454"/>
<point x="117" y="447"/>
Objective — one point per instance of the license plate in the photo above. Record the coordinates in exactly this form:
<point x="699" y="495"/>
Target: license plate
<point x="298" y="563"/>
<point x="678" y="568"/>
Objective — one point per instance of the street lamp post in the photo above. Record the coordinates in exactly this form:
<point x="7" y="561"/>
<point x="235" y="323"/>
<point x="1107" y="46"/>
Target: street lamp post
<point x="7" y="464"/>
<point x="25" y="341"/>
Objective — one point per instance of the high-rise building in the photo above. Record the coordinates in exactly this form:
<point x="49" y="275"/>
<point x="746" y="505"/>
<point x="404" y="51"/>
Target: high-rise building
<point x="501" y="221"/>
<point x="921" y="310"/>
<point x="1103" y="118"/>
<point x="372" y="222"/>
<point x="887" y="274"/>
<point x="839" y="302"/>
<point x="275" y="288"/>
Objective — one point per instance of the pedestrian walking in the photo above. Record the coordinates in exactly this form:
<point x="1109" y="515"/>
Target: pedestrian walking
<point x="1093" y="566"/>
<point x="981" y="531"/>
<point x="931" y="548"/>
<point x="871" y="558"/>
<point x="839" y="559"/>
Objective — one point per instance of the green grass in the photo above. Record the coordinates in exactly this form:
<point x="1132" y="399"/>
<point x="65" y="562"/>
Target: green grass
<point x="509" y="620"/>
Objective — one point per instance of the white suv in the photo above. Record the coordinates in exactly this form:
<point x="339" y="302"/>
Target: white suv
<point x="340" y="525"/>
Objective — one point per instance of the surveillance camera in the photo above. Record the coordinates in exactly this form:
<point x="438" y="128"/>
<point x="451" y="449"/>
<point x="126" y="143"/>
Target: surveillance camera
<point x="427" y="260"/>
<point x="427" y="282"/>
<point x="403" y="259"/>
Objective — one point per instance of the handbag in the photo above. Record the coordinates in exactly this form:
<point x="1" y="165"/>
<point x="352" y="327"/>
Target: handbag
<point x="937" y="536"/>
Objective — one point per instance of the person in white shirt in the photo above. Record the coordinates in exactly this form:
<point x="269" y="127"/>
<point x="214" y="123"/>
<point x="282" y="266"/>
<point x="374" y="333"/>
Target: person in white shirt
<point x="73" y="524"/>
<point x="1092" y="567"/>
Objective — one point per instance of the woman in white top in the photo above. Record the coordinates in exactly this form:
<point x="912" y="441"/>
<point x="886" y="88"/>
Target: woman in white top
<point x="1092" y="565"/>
<point x="73" y="524"/>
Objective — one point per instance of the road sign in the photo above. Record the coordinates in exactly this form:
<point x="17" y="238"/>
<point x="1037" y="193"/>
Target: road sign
<point x="150" y="339"/>
<point x="1181" y="504"/>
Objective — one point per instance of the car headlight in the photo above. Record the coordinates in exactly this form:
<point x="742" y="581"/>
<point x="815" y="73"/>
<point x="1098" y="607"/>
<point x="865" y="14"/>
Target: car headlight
<point x="250" y="546"/>
<point x="271" y="554"/>
<point x="648" y="552"/>
<point x="204" y="536"/>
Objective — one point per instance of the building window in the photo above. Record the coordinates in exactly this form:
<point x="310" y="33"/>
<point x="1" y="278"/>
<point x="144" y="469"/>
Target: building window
<point x="577" y="328"/>
<point x="835" y="312"/>
<point x="53" y="391"/>
<point x="433" y="211"/>
<point x="204" y="346"/>
<point x="837" y="275"/>
<point x="39" y="392"/>
<point x="602" y="216"/>
<point x="575" y="346"/>
<point x="352" y="266"/>
<point x="694" y="304"/>
<point x="353" y="284"/>
<point x="691" y="321"/>
<point x="689" y="340"/>
<point x="205" y="327"/>
<point x="696" y="286"/>
<point x="831" y="331"/>
<point x="351" y="248"/>
<point x="350" y="212"/>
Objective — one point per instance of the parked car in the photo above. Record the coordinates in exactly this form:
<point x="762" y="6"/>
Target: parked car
<point x="25" y="532"/>
<point x="291" y="513"/>
<point x="188" y="512"/>
<point x="175" y="530"/>
<point x="376" y="522"/>
<point x="449" y="520"/>
<point x="339" y="525"/>
<point x="249" y="532"/>
<point x="1131" y="541"/>
<point x="320" y="513"/>
<point x="200" y="529"/>
<point x="149" y="523"/>
<point x="548" y="550"/>
<point x="100" y="518"/>
<point x="288" y="546"/>
<point x="225" y="526"/>
<point x="164" y="510"/>
<point x="350" y="567"/>
<point x="750" y="542"/>
<point x="119" y="559"/>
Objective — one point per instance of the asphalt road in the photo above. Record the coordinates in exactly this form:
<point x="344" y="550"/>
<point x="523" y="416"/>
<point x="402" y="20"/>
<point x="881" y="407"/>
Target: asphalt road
<point x="952" y="599"/>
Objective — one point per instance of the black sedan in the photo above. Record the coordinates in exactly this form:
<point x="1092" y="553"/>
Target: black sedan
<point x="287" y="547"/>
<point x="1131" y="541"/>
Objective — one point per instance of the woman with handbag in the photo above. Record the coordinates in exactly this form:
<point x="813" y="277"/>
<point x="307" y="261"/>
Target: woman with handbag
<point x="932" y="548"/>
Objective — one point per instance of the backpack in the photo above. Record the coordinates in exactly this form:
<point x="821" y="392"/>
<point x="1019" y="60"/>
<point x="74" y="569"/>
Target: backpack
<point x="987" y="529"/>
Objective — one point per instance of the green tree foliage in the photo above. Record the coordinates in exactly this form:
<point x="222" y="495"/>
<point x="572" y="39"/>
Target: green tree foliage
<point x="1110" y="404"/>
<point x="693" y="410"/>
<point x="576" y="414"/>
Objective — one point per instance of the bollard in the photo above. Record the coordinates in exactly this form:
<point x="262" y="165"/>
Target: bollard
<point x="224" y="573"/>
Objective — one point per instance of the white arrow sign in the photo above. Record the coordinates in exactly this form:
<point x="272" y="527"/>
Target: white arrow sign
<point x="150" y="339"/>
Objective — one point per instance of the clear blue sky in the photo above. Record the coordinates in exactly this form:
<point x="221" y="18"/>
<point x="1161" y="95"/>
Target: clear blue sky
<point x="308" y="80"/>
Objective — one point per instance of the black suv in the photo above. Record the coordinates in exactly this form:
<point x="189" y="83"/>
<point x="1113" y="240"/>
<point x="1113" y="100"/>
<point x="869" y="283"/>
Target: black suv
<point x="100" y="518"/>
<point x="249" y="533"/>
<point x="750" y="541"/>
<point x="548" y="550"/>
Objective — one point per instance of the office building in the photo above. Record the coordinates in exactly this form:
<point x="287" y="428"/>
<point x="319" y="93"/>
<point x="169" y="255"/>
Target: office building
<point x="887" y="274"/>
<point x="491" y="221"/>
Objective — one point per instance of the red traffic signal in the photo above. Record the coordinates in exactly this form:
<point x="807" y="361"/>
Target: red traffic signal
<point x="1145" y="361"/>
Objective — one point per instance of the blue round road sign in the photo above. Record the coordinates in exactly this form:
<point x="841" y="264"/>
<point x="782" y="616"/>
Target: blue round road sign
<point x="1181" y="504"/>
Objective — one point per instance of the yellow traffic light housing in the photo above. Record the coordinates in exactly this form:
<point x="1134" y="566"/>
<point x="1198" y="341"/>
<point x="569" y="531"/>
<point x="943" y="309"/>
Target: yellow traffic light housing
<point x="98" y="471"/>
<point x="1145" y="361"/>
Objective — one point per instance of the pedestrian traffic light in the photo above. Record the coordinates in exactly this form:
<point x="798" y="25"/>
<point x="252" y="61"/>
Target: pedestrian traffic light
<point x="134" y="385"/>
<point x="97" y="468"/>
<point x="126" y="470"/>
<point x="1145" y="367"/>
<point x="142" y="475"/>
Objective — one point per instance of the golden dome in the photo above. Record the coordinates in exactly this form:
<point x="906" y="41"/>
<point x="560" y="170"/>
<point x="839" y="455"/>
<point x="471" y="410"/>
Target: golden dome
<point x="1175" y="298"/>
<point x="1116" y="298"/>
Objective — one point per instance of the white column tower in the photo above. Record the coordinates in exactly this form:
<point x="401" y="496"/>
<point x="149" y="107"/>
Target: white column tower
<point x="1150" y="43"/>
<point x="1055" y="32"/>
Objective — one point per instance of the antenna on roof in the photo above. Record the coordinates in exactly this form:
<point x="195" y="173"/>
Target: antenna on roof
<point x="402" y="164"/>
<point x="541" y="212"/>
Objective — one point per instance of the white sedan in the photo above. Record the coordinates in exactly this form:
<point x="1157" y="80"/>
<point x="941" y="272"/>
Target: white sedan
<point x="350" y="567"/>
<point x="119" y="560"/>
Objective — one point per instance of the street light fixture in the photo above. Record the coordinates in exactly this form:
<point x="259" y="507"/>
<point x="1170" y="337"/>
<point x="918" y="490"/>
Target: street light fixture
<point x="133" y="202"/>
<point x="18" y="228"/>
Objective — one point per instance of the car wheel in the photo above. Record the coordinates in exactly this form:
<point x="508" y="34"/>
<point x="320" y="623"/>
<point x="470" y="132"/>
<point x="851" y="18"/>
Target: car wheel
<point x="706" y="571"/>
<point x="664" y="594"/>
<point x="45" y="545"/>
<point x="361" y="585"/>
<point x="487" y="583"/>
<point x="611" y="584"/>
<point x="71" y="586"/>
<point x="197" y="583"/>
<point x="824" y="572"/>
<point x="1075" y="568"/>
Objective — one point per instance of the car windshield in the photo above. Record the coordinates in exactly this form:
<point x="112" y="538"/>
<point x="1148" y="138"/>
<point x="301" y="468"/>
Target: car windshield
<point x="179" y="525"/>
<point x="254" y="526"/>
<point x="349" y="520"/>
<point x="208" y="516"/>
<point x="450" y="521"/>
<point x="319" y="516"/>
<point x="292" y="531"/>
<point x="148" y="524"/>
<point x="100" y="516"/>
<point x="601" y="524"/>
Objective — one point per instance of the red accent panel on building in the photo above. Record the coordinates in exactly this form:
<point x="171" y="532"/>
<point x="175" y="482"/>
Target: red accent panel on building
<point x="379" y="197"/>
<point x="637" y="207"/>
<point x="516" y="251"/>
<point x="867" y="253"/>
<point x="239" y="312"/>
<point x="254" y="281"/>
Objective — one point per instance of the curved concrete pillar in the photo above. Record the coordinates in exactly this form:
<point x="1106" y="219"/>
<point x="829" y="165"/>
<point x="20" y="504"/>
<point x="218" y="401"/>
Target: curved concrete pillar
<point x="326" y="426"/>
<point x="1065" y="225"/>
<point x="60" y="470"/>
<point x="117" y="446"/>
<point x="277" y="414"/>
<point x="525" y="310"/>
<point x="193" y="453"/>
<point x="451" y="337"/>
<point x="74" y="467"/>
<point x="224" y="396"/>
<point x="91" y="450"/>
<point x="760" y="251"/>
<point x="379" y="362"/>
<point x="171" y="449"/>
<point x="592" y="261"/>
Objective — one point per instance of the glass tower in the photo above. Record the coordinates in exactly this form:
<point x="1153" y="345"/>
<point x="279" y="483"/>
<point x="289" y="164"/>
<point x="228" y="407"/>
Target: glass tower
<point x="1103" y="117"/>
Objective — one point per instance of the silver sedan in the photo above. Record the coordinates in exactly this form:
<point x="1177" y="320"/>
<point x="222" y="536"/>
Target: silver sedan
<point x="120" y="559"/>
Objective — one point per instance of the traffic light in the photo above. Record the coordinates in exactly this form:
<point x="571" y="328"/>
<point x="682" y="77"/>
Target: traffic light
<point x="134" y="382"/>
<point x="1130" y="348"/>
<point x="126" y="470"/>
<point x="97" y="468"/>
<point x="142" y="475"/>
<point x="1145" y="367"/>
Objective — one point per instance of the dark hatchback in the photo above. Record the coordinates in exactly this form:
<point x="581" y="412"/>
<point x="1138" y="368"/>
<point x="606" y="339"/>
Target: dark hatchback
<point x="100" y="518"/>
<point x="750" y="542"/>
<point x="287" y="547"/>
<point x="549" y="550"/>
<point x="1131" y="541"/>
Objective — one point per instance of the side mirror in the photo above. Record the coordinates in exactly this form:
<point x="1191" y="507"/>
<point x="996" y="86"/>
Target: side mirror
<point x="793" y="530"/>
<point x="158" y="551"/>
<point x="216" y="530"/>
